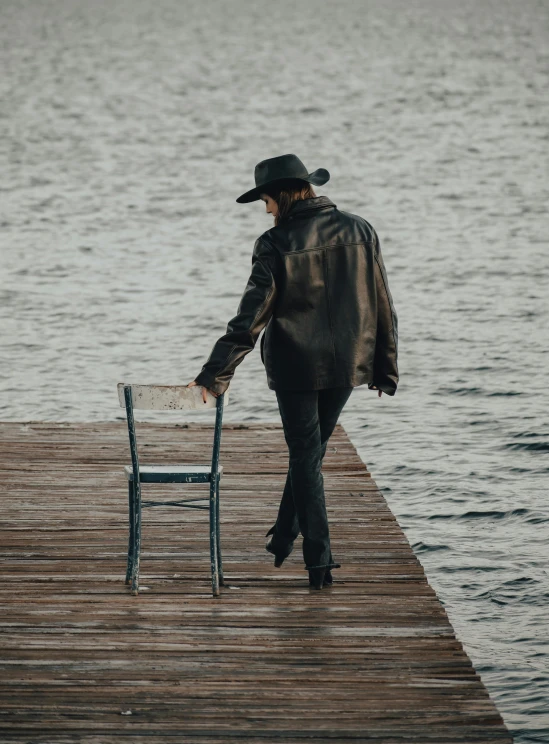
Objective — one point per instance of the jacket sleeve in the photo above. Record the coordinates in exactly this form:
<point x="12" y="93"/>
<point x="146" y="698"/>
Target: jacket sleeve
<point x="386" y="352"/>
<point x="253" y="313"/>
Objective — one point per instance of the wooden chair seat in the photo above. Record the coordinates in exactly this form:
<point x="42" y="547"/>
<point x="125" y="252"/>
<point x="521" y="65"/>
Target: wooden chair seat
<point x="173" y="473"/>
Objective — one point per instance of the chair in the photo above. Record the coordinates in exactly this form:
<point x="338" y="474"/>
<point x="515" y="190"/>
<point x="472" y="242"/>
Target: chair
<point x="171" y="397"/>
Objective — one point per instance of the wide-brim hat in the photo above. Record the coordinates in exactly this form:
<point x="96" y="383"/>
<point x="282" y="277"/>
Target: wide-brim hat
<point x="282" y="168"/>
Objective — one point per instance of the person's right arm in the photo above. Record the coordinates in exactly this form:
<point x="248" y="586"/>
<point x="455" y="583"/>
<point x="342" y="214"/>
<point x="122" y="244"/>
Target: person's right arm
<point x="386" y="353"/>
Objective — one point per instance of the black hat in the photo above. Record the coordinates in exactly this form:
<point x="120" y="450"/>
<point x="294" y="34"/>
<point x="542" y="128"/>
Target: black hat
<point x="282" y="168"/>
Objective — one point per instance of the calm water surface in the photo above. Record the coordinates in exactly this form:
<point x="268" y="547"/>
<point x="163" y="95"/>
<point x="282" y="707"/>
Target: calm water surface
<point x="128" y="129"/>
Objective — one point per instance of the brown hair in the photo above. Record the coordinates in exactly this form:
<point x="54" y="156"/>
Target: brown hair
<point x="287" y="193"/>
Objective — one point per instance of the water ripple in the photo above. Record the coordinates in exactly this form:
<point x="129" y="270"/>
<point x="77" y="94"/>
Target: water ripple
<point x="124" y="253"/>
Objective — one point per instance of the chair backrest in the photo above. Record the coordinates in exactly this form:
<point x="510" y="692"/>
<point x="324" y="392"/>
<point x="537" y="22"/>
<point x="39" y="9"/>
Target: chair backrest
<point x="169" y="398"/>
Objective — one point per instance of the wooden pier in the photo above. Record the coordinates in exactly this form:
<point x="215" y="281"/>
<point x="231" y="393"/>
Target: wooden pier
<point x="373" y="658"/>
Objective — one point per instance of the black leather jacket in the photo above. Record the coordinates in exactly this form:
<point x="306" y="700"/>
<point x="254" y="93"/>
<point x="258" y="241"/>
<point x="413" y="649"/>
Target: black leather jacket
<point x="319" y="288"/>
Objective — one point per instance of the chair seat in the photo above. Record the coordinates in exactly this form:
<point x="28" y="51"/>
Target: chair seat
<point x="173" y="473"/>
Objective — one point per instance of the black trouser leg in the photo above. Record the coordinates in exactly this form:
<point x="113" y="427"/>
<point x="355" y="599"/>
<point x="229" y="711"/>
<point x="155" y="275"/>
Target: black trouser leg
<point x="330" y="404"/>
<point x="309" y="418"/>
<point x="286" y="527"/>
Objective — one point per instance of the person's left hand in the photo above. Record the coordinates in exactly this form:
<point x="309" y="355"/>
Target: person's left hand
<point x="204" y="396"/>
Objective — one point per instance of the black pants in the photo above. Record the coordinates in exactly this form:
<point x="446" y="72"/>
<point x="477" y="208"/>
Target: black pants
<point x="308" y="418"/>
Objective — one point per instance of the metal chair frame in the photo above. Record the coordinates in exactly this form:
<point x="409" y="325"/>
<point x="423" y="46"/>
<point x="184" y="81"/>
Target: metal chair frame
<point x="162" y="474"/>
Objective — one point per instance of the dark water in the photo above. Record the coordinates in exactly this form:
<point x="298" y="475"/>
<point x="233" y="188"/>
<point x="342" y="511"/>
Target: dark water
<point x="128" y="129"/>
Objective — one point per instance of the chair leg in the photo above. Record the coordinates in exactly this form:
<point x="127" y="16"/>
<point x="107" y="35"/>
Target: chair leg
<point x="137" y="539"/>
<point x="218" y="534"/>
<point x="213" y="540"/>
<point x="131" y="537"/>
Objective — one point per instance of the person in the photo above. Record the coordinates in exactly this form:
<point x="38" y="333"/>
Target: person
<point x="318" y="286"/>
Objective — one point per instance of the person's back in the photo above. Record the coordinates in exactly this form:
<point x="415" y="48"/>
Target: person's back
<point x="333" y="309"/>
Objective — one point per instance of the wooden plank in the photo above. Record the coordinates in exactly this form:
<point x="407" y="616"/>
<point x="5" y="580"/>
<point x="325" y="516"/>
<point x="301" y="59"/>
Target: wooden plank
<point x="374" y="658"/>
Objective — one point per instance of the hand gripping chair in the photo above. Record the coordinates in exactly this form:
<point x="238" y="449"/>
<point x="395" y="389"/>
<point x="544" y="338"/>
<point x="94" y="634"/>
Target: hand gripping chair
<point x="171" y="397"/>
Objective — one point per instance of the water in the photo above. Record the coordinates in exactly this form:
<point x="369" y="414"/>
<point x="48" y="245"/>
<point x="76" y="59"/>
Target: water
<point x="128" y="129"/>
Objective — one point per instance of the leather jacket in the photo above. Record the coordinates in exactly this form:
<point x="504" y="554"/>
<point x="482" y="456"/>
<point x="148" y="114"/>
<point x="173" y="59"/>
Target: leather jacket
<point x="318" y="287"/>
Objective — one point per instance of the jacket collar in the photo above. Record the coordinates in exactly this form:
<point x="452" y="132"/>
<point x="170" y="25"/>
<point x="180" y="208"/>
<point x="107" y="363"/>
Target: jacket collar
<point x="306" y="205"/>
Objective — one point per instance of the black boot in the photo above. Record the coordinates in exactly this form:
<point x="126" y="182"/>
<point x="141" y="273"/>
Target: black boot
<point x="317" y="577"/>
<point x="328" y="578"/>
<point x="280" y="556"/>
